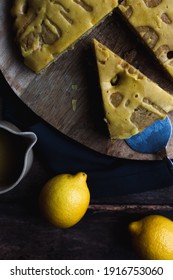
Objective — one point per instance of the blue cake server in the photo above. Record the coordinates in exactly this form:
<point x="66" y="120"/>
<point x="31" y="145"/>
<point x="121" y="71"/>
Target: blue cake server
<point x="153" y="140"/>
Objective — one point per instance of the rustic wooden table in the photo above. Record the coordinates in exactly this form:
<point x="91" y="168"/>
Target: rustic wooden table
<point x="101" y="234"/>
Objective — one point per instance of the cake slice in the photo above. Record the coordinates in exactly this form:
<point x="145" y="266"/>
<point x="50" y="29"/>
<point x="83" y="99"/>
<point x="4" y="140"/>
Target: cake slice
<point x="45" y="28"/>
<point x="131" y="100"/>
<point x="153" y="21"/>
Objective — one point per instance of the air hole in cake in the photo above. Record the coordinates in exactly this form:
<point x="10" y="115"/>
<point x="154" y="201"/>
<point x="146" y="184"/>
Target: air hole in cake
<point x="131" y="70"/>
<point x="48" y="36"/>
<point x="147" y="101"/>
<point x="116" y="98"/>
<point x="152" y="3"/>
<point x="114" y="81"/>
<point x="84" y="5"/>
<point x="165" y="18"/>
<point x="127" y="103"/>
<point x="102" y="61"/>
<point x="170" y="54"/>
<point x="121" y="2"/>
<point x="25" y="8"/>
<point x="141" y="117"/>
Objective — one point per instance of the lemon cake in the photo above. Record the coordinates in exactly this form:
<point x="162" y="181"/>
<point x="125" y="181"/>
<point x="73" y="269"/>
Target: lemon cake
<point x="153" y="21"/>
<point x="45" y="28"/>
<point x="131" y="100"/>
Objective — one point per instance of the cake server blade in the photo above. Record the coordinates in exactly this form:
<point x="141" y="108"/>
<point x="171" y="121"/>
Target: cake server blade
<point x="153" y="140"/>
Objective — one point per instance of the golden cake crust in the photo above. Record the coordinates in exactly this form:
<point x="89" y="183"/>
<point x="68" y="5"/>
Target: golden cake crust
<point x="153" y="21"/>
<point x="45" y="28"/>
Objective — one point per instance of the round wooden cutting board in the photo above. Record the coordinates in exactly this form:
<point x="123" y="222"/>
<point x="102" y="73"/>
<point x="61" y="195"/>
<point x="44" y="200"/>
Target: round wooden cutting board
<point x="73" y="80"/>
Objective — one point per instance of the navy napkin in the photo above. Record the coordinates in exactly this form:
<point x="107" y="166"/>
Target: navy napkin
<point x="107" y="176"/>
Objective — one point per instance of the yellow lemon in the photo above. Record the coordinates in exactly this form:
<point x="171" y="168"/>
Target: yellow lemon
<point x="152" y="237"/>
<point x="64" y="199"/>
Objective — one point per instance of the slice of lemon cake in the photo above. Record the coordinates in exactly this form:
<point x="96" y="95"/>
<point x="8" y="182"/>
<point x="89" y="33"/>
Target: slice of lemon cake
<point x="131" y="100"/>
<point x="153" y="21"/>
<point x="45" y="28"/>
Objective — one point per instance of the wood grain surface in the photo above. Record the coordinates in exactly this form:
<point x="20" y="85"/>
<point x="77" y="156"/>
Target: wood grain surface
<point x="101" y="234"/>
<point x="73" y="77"/>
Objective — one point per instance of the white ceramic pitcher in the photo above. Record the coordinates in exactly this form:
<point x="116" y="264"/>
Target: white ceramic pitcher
<point x="16" y="155"/>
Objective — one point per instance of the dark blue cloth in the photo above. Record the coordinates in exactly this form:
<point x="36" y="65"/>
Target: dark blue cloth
<point x="107" y="176"/>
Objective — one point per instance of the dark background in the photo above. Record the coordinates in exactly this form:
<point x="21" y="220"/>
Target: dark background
<point x="121" y="191"/>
